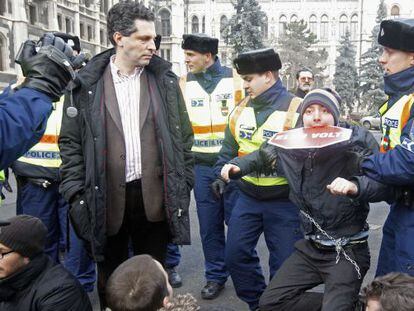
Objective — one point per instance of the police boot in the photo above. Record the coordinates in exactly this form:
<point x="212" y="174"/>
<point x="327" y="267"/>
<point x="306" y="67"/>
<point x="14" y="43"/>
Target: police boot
<point x="174" y="278"/>
<point x="211" y="290"/>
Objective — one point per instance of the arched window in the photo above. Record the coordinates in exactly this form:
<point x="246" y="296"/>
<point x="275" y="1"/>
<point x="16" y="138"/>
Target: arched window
<point x="265" y="28"/>
<point x="223" y="24"/>
<point x="354" y="26"/>
<point x="343" y="25"/>
<point x="395" y="11"/>
<point x="313" y="24"/>
<point x="324" y="28"/>
<point x="165" y="18"/>
<point x="293" y="18"/>
<point x="203" y="25"/>
<point x="282" y="25"/>
<point x="194" y="25"/>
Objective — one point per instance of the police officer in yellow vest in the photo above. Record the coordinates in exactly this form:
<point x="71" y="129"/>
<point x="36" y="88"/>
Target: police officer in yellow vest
<point x="395" y="164"/>
<point x="263" y="205"/>
<point x="211" y="92"/>
<point x="37" y="174"/>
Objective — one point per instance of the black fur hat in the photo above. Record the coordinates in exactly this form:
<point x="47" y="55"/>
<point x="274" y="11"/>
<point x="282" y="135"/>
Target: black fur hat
<point x="257" y="61"/>
<point x="397" y="34"/>
<point x="200" y="43"/>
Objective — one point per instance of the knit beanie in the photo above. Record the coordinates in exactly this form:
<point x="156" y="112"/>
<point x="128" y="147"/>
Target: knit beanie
<point x="325" y="97"/>
<point x="24" y="234"/>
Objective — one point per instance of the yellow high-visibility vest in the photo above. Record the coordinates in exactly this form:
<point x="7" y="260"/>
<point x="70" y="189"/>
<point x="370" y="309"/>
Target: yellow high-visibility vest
<point x="393" y="121"/>
<point x="209" y="113"/>
<point x="46" y="152"/>
<point x="250" y="137"/>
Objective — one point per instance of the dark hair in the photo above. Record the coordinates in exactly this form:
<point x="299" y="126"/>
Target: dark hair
<point x="138" y="284"/>
<point x="121" y="18"/>
<point x="303" y="70"/>
<point x="394" y="291"/>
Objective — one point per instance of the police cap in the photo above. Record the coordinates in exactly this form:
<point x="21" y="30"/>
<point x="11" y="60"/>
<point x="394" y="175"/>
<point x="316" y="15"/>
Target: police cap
<point x="200" y="43"/>
<point x="257" y="61"/>
<point x="397" y="34"/>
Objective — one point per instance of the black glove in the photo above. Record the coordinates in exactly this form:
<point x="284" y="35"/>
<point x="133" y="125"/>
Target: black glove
<point x="354" y="160"/>
<point x="218" y="187"/>
<point x="268" y="154"/>
<point x="49" y="69"/>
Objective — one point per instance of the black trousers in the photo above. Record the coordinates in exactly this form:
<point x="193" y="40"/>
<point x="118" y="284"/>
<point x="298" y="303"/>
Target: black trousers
<point x="308" y="267"/>
<point x="145" y="238"/>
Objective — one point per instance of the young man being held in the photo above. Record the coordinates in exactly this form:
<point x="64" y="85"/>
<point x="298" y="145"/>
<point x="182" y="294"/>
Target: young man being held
<point x="335" y="248"/>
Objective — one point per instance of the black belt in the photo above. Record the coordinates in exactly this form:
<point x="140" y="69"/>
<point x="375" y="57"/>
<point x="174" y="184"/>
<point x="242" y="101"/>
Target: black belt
<point x="333" y="248"/>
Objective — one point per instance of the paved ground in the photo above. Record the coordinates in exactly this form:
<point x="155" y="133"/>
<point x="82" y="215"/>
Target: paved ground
<point x="191" y="267"/>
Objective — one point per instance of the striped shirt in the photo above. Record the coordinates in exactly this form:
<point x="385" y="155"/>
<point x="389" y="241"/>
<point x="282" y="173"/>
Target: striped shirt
<point x="127" y="88"/>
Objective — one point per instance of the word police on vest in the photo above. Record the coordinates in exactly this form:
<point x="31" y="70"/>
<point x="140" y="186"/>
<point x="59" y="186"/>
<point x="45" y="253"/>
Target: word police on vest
<point x="314" y="137"/>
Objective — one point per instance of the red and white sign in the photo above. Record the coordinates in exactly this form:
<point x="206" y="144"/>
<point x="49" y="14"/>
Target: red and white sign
<point x="312" y="137"/>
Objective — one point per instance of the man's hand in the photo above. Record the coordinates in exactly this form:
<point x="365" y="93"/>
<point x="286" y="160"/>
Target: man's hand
<point x="228" y="170"/>
<point x="341" y="186"/>
<point x="48" y="68"/>
<point x="218" y="187"/>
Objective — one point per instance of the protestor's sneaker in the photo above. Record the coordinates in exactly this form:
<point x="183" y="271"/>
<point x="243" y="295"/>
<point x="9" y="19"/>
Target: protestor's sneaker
<point x="211" y="290"/>
<point x="174" y="278"/>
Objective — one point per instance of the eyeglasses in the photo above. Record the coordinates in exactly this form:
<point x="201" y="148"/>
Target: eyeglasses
<point x="4" y="254"/>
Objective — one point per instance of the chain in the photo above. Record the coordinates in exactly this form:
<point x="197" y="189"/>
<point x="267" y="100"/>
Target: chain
<point x="338" y="244"/>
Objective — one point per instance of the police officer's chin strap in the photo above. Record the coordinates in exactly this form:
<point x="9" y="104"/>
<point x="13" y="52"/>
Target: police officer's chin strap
<point x="339" y="244"/>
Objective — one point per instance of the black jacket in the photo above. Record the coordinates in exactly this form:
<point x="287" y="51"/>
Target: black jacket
<point x="82" y="145"/>
<point x="309" y="171"/>
<point x="42" y="286"/>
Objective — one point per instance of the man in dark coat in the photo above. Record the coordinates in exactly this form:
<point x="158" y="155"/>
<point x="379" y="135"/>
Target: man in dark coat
<point x="305" y="81"/>
<point x="29" y="279"/>
<point x="127" y="167"/>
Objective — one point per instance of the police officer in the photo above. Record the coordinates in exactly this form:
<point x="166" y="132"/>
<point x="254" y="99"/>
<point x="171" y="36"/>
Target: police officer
<point x="395" y="164"/>
<point x="37" y="175"/>
<point x="305" y="81"/>
<point x="23" y="113"/>
<point x="263" y="205"/>
<point x="211" y="92"/>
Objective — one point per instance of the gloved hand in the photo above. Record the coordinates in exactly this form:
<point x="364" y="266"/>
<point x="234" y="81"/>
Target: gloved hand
<point x="268" y="154"/>
<point x="354" y="160"/>
<point x="218" y="187"/>
<point x="49" y="69"/>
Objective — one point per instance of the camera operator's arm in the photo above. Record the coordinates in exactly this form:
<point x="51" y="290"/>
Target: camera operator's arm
<point x="23" y="114"/>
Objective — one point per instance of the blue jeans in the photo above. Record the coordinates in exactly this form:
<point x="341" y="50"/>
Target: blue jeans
<point x="278" y="220"/>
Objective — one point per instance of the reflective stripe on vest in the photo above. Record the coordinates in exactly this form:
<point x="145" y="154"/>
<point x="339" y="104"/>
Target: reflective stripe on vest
<point x="46" y="152"/>
<point x="393" y="121"/>
<point x="250" y="138"/>
<point x="209" y="113"/>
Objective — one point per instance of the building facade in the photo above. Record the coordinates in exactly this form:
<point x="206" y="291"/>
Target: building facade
<point x="328" y="19"/>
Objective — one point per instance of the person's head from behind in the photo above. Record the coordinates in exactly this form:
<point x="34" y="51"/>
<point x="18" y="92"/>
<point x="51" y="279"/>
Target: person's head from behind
<point x="259" y="70"/>
<point x="305" y="79"/>
<point x="397" y="38"/>
<point x="200" y="51"/>
<point x="138" y="284"/>
<point x="21" y="239"/>
<point x="320" y="107"/>
<point x="131" y="30"/>
<point x="392" y="292"/>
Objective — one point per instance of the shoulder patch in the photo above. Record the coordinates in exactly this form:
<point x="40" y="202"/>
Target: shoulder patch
<point x="408" y="145"/>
